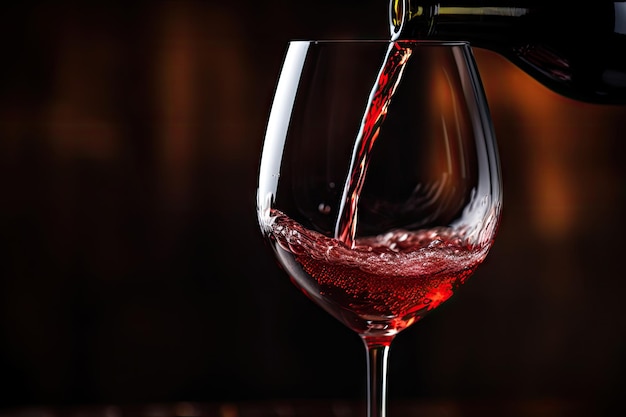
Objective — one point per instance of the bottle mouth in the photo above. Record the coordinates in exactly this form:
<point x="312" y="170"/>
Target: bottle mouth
<point x="401" y="12"/>
<point x="397" y="16"/>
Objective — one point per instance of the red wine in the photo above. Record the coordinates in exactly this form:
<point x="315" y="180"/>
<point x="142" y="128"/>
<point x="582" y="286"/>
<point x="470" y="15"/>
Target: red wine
<point x="576" y="49"/>
<point x="379" y="285"/>
<point x="380" y="98"/>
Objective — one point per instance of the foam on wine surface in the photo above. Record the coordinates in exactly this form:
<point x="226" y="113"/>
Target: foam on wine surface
<point x="380" y="283"/>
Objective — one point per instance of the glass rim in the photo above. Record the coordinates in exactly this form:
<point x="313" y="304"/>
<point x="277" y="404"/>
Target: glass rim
<point x="424" y="42"/>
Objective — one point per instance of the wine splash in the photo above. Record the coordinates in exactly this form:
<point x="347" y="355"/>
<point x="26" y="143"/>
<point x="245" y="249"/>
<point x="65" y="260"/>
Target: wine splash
<point x="379" y="100"/>
<point x="382" y="284"/>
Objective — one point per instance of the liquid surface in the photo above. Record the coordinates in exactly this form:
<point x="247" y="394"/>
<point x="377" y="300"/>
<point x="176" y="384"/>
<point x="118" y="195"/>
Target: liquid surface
<point x="381" y="284"/>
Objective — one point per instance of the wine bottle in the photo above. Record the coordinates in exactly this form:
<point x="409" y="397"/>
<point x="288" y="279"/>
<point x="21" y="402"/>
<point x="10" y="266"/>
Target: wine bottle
<point x="576" y="49"/>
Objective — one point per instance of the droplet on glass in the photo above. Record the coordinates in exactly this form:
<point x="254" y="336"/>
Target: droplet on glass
<point x="323" y="208"/>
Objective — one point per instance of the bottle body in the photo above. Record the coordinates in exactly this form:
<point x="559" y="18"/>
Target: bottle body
<point x="576" y="50"/>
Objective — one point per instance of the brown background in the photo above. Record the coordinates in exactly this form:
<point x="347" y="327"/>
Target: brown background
<point x="131" y="268"/>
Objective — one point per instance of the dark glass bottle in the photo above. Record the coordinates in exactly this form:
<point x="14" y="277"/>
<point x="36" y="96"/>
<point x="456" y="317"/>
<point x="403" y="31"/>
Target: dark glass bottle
<point x="576" y="49"/>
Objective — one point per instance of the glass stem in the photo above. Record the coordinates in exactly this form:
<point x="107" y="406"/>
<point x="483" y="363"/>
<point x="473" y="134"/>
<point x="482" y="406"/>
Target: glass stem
<point x="377" y="359"/>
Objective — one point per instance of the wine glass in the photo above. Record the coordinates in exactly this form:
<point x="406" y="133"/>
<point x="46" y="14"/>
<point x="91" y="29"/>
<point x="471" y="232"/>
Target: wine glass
<point x="379" y="184"/>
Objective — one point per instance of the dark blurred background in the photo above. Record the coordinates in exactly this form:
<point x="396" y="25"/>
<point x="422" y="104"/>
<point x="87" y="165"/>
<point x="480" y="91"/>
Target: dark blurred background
<point x="131" y="267"/>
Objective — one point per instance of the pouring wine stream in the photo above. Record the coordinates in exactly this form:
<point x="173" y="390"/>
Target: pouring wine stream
<point x="379" y="100"/>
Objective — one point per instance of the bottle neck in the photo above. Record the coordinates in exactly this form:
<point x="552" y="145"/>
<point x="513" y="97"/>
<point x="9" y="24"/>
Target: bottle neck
<point x="417" y="19"/>
<point x="577" y="51"/>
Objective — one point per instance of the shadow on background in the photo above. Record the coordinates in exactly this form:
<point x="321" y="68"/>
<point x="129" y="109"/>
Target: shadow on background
<point x="131" y="267"/>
